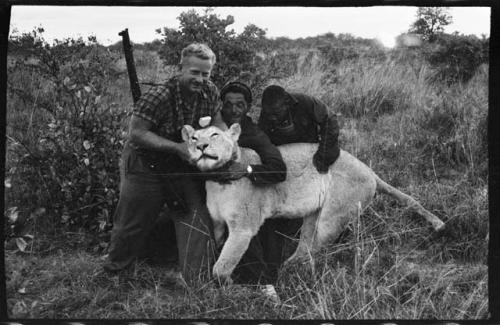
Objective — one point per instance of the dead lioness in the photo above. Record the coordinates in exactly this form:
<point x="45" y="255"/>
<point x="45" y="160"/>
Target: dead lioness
<point x="327" y="202"/>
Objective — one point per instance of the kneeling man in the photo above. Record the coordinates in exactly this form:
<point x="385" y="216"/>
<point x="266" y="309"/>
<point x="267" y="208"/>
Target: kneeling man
<point x="265" y="254"/>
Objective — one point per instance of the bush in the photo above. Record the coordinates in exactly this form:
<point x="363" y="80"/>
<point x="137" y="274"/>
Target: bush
<point x="334" y="54"/>
<point x="342" y="50"/>
<point x="282" y="65"/>
<point x="457" y="57"/>
<point x="64" y="137"/>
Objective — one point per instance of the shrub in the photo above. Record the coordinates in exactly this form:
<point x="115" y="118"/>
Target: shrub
<point x="282" y="64"/>
<point x="64" y="136"/>
<point x="342" y="50"/>
<point x="456" y="57"/>
<point x="335" y="54"/>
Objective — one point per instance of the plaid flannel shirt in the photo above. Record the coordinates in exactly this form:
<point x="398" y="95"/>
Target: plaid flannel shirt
<point x="166" y="108"/>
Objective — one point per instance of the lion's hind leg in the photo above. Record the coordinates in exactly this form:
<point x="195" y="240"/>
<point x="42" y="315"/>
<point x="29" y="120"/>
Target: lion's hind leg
<point x="343" y="203"/>
<point x="305" y="247"/>
<point x="411" y="203"/>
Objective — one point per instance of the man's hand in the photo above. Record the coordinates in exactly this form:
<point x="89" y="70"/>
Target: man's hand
<point x="320" y="164"/>
<point x="232" y="172"/>
<point x="182" y="151"/>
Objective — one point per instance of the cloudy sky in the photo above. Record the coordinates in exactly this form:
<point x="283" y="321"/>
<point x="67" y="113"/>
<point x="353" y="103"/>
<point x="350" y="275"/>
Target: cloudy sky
<point x="383" y="23"/>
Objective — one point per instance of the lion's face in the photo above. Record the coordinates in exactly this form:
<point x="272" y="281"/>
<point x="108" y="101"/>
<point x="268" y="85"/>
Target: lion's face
<point x="210" y="148"/>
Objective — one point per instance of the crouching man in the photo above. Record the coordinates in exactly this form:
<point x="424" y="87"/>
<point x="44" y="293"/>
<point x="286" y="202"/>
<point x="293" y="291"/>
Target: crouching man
<point x="262" y="260"/>
<point x="295" y="117"/>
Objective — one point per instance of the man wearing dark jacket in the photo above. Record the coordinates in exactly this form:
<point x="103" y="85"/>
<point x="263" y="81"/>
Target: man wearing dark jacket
<point x="259" y="264"/>
<point x="293" y="117"/>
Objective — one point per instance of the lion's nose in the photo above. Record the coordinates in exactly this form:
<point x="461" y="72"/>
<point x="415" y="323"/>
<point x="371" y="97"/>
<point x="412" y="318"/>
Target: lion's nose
<point x="202" y="146"/>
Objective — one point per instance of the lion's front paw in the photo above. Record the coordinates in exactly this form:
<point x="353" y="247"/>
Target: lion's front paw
<point x="222" y="275"/>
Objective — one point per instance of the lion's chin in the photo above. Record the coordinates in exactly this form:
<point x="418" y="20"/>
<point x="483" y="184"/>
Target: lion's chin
<point x="207" y="164"/>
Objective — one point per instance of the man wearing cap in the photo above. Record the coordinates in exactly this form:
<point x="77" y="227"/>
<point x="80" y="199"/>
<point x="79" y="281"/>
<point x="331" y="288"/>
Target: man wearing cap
<point x="154" y="168"/>
<point x="260" y="263"/>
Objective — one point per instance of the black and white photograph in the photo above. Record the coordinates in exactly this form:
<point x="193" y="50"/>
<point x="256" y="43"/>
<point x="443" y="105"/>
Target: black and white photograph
<point x="245" y="162"/>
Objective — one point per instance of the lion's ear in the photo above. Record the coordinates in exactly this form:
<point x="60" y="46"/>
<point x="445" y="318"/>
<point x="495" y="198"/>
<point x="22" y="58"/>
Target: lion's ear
<point x="234" y="131"/>
<point x="187" y="132"/>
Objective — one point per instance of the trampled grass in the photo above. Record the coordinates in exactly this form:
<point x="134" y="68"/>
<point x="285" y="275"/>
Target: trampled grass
<point x="389" y="264"/>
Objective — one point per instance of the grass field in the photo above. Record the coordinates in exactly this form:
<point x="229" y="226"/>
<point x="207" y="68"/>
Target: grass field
<point x="426" y="139"/>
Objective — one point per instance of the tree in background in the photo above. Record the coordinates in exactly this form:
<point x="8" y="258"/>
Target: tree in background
<point x="453" y="57"/>
<point x="430" y="22"/>
<point x="234" y="52"/>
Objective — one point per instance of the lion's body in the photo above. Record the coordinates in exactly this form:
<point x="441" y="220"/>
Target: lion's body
<point x="327" y="202"/>
<point x="302" y="193"/>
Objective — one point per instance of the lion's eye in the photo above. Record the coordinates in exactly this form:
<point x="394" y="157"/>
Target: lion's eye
<point x="194" y="138"/>
<point x="214" y="135"/>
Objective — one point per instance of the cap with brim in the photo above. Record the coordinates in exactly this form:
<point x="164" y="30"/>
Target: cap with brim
<point x="237" y="87"/>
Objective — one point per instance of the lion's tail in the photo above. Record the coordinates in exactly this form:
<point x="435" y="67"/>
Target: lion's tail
<point x="407" y="200"/>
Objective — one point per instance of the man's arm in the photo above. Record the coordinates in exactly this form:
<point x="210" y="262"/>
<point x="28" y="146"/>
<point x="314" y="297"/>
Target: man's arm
<point x="272" y="169"/>
<point x="141" y="135"/>
<point x="263" y="123"/>
<point x="328" y="148"/>
<point x="219" y="122"/>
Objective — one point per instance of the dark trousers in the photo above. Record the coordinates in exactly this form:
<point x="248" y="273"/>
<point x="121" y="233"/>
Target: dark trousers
<point x="144" y="189"/>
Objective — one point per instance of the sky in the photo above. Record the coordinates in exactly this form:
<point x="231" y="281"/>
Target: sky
<point x="105" y="22"/>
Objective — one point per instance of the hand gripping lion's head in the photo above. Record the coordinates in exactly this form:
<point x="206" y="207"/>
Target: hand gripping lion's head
<point x="211" y="148"/>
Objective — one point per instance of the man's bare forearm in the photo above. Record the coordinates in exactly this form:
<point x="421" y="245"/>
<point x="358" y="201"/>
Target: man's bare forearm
<point x="149" y="140"/>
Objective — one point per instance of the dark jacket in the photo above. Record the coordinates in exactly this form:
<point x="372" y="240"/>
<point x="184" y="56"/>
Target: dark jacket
<point x="272" y="169"/>
<point x="312" y="124"/>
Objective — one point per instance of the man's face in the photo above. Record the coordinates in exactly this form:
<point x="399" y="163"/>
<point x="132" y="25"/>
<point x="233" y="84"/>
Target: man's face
<point x="194" y="72"/>
<point x="234" y="107"/>
<point x="277" y="113"/>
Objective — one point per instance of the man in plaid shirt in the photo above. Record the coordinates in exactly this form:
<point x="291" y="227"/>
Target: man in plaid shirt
<point x="154" y="168"/>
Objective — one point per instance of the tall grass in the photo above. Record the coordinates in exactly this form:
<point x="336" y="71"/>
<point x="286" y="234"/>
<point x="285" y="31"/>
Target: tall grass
<point x="410" y="113"/>
<point x="372" y="272"/>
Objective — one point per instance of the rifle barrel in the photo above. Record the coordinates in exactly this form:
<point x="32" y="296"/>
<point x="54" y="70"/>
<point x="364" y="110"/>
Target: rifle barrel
<point x="129" y="58"/>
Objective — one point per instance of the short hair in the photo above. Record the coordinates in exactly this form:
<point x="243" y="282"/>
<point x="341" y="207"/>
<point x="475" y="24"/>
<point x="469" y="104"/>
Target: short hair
<point x="199" y="50"/>
<point x="239" y="88"/>
<point x="273" y="94"/>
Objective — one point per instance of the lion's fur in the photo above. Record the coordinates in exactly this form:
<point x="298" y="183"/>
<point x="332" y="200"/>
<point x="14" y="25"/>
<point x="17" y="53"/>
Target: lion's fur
<point x="327" y="202"/>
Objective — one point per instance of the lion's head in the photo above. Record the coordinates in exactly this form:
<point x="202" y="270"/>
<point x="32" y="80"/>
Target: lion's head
<point x="211" y="148"/>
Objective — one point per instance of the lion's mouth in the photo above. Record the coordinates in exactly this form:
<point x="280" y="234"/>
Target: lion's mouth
<point x="208" y="156"/>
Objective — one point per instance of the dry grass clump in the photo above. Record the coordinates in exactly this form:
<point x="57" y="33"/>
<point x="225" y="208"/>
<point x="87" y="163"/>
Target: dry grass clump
<point x="363" y="277"/>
